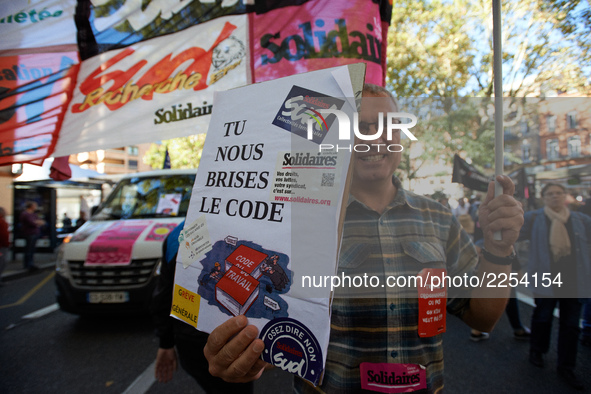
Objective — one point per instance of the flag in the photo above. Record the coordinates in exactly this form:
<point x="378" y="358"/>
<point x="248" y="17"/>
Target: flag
<point x="60" y="169"/>
<point x="34" y="93"/>
<point x="469" y="176"/>
<point x="166" y="164"/>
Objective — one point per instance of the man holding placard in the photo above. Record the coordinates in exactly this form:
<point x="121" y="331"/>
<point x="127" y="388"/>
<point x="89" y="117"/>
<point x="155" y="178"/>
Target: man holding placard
<point x="391" y="339"/>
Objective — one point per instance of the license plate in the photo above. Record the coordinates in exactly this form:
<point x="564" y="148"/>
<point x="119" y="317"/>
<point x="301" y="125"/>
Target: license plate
<point x="115" y="297"/>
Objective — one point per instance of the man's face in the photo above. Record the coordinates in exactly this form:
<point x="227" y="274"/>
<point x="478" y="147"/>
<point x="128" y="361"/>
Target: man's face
<point x="376" y="166"/>
<point x="554" y="198"/>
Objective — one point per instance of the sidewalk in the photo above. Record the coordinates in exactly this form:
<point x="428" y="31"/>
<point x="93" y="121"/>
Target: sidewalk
<point x="14" y="268"/>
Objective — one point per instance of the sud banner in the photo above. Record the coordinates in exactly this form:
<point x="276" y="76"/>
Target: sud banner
<point x="34" y="92"/>
<point x="157" y="89"/>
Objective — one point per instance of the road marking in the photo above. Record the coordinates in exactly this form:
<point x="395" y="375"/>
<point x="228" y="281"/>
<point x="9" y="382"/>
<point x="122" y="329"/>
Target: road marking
<point x="30" y="292"/>
<point x="42" y="312"/>
<point x="143" y="382"/>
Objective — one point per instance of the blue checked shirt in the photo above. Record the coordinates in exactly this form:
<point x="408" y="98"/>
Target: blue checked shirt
<point x="380" y="325"/>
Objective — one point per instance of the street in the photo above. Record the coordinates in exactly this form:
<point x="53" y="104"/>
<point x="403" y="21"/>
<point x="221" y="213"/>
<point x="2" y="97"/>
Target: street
<point x="55" y="352"/>
<point x="50" y="351"/>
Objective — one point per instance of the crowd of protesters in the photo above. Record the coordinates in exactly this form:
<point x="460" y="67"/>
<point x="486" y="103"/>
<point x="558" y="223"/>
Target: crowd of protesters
<point x="558" y="229"/>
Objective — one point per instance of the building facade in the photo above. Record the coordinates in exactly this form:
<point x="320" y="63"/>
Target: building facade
<point x="565" y="131"/>
<point x="114" y="161"/>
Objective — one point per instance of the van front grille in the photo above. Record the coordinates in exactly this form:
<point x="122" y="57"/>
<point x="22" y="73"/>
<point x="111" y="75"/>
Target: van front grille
<point x="137" y="273"/>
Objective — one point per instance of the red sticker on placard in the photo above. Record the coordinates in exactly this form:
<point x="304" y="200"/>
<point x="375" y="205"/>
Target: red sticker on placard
<point x="432" y="302"/>
<point x="393" y="378"/>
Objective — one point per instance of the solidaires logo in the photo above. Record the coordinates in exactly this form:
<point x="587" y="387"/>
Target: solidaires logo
<point x="291" y="346"/>
<point x="301" y="105"/>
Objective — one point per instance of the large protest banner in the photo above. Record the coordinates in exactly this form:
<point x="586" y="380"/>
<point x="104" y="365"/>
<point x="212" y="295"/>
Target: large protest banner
<point x="135" y="39"/>
<point x="157" y="89"/>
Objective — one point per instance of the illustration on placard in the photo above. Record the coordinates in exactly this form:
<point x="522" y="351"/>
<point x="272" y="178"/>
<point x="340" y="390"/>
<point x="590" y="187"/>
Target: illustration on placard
<point x="242" y="278"/>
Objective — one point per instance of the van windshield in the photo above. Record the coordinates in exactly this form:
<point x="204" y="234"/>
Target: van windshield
<point x="148" y="197"/>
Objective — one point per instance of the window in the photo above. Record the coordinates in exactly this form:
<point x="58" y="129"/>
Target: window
<point x="571" y="120"/>
<point x="132" y="150"/>
<point x="132" y="164"/>
<point x="139" y="197"/>
<point x="552" y="149"/>
<point x="574" y="146"/>
<point x="551" y="123"/>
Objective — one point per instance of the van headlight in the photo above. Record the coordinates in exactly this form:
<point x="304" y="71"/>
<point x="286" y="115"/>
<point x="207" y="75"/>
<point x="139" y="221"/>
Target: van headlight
<point x="61" y="265"/>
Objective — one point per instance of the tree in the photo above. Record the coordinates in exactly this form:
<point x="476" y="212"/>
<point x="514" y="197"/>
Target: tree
<point x="443" y="49"/>
<point x="540" y="50"/>
<point x="430" y="50"/>
<point x="446" y="126"/>
<point x="572" y="17"/>
<point x="184" y="152"/>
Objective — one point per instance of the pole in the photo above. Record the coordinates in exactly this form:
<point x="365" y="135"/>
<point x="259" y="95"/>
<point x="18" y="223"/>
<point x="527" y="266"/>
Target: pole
<point x="498" y="91"/>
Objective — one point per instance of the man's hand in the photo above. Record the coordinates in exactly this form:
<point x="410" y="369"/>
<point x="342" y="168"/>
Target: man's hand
<point x="502" y="213"/>
<point x="166" y="364"/>
<point x="233" y="351"/>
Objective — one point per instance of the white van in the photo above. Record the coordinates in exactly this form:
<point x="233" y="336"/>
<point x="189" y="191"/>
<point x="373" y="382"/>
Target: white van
<point x="111" y="263"/>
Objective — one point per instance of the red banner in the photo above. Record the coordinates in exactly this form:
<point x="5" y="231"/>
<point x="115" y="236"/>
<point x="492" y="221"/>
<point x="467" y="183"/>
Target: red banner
<point x="318" y="35"/>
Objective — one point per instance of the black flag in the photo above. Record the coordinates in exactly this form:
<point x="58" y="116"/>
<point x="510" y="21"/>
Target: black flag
<point x="469" y="176"/>
<point x="166" y="161"/>
<point x="519" y="178"/>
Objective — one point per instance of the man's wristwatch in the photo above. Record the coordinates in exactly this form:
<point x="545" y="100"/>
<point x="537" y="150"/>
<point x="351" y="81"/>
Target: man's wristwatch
<point x="508" y="260"/>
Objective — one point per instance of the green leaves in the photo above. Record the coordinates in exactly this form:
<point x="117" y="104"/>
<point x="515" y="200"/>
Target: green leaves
<point x="184" y="152"/>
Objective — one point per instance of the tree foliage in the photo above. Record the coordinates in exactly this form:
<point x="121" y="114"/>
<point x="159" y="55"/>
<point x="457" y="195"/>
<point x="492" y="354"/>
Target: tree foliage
<point x="429" y="48"/>
<point x="184" y="152"/>
<point x="443" y="49"/>
<point x="540" y="50"/>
